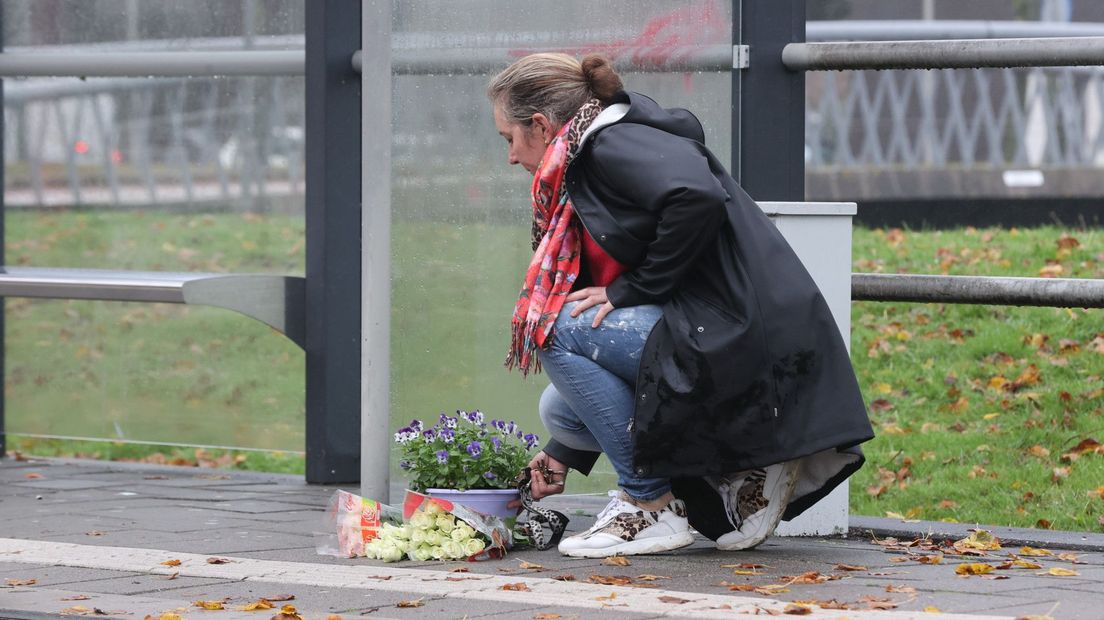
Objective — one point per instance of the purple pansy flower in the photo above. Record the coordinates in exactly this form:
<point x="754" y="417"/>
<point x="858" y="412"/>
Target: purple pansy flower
<point x="510" y="428"/>
<point x="475" y="417"/>
<point x="496" y="443"/>
<point x="406" y="465"/>
<point x="447" y="435"/>
<point x="405" y="434"/>
<point x="416" y="426"/>
<point x="429" y="435"/>
<point x="489" y="475"/>
<point x="442" y="456"/>
<point x="475" y="449"/>
<point x="531" y="441"/>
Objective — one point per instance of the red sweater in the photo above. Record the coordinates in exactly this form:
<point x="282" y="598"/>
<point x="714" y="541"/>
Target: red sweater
<point x="602" y="267"/>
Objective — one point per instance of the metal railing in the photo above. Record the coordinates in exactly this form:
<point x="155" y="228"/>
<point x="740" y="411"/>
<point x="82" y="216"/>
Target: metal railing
<point x="237" y="142"/>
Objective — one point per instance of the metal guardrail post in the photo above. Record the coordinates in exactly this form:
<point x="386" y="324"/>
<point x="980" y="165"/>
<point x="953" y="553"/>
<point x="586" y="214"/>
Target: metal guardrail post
<point x="768" y="101"/>
<point x="333" y="159"/>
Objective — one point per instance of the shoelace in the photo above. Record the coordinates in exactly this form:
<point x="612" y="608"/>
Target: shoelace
<point x="725" y="488"/>
<point x="611" y="510"/>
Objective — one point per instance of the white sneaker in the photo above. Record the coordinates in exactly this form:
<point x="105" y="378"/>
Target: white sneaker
<point x="755" y="501"/>
<point x="623" y="528"/>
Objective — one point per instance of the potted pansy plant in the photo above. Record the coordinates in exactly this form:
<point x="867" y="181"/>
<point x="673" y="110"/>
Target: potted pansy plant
<point x="464" y="459"/>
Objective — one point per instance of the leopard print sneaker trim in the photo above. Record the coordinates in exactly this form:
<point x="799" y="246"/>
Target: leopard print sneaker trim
<point x="628" y="524"/>
<point x="750" y="498"/>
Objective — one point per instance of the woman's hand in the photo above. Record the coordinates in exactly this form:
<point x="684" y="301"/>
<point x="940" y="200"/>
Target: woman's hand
<point x="549" y="476"/>
<point x="588" y="297"/>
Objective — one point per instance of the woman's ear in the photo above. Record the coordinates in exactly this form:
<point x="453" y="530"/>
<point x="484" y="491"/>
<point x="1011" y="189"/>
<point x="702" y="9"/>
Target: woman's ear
<point x="544" y="125"/>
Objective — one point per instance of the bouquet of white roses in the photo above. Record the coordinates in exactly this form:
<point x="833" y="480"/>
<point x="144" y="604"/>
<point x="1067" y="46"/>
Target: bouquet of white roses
<point x="431" y="533"/>
<point x="431" y="529"/>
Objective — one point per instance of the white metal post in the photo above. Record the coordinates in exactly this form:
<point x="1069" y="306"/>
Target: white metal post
<point x="820" y="234"/>
<point x="375" y="408"/>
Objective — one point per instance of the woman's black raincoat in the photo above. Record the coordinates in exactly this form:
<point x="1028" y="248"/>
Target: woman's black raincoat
<point x="747" y="367"/>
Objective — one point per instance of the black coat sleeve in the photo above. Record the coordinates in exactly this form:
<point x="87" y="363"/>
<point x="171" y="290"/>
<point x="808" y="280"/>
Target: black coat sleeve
<point x="670" y="178"/>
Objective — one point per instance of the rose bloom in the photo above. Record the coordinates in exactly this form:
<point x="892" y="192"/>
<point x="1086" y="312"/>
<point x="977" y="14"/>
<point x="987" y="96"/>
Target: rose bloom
<point x="473" y="546"/>
<point x="462" y="532"/>
<point x="445" y="523"/>
<point x="420" y="554"/>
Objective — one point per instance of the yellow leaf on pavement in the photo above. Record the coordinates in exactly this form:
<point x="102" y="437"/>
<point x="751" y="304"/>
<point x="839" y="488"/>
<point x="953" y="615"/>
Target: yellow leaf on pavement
<point x="209" y="605"/>
<point x="974" y="568"/>
<point x="1032" y="551"/>
<point x="979" y="540"/>
<point x="1061" y="572"/>
<point x="171" y="563"/>
<point x="617" y="560"/>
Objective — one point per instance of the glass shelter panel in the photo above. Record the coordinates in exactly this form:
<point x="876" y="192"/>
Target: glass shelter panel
<point x="157" y="174"/>
<point x="461" y="214"/>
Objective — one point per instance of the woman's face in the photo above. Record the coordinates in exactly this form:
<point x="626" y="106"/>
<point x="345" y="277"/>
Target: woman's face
<point x="525" y="145"/>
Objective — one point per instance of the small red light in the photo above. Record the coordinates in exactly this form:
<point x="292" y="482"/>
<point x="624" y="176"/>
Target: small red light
<point x="81" y="147"/>
<point x="116" y="156"/>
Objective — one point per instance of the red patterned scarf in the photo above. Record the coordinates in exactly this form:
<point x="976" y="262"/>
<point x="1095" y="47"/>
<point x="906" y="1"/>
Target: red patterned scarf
<point x="556" y="243"/>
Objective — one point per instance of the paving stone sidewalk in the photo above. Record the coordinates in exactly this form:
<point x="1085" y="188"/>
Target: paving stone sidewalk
<point x="99" y="530"/>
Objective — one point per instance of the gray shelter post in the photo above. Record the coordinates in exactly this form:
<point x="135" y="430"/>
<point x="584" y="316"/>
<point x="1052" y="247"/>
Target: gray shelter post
<point x="376" y="253"/>
<point x="768" y="101"/>
<point x="3" y="346"/>
<point x="333" y="241"/>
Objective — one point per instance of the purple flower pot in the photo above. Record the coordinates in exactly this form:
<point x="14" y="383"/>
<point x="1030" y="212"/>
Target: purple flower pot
<point x="487" y="501"/>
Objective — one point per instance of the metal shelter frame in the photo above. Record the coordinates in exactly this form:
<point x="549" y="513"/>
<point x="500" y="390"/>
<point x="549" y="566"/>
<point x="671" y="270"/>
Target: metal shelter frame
<point x="348" y="67"/>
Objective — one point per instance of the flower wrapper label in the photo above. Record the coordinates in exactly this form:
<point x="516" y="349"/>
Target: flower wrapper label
<point x="352" y="521"/>
<point x="418" y="507"/>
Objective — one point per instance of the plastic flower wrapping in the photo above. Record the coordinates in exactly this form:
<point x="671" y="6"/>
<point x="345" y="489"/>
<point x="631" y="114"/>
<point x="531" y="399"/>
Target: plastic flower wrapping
<point x="425" y="529"/>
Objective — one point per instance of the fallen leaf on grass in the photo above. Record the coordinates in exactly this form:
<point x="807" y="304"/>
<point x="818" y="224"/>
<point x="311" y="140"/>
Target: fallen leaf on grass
<point x="674" y="600"/>
<point x="218" y="561"/>
<point x="975" y="568"/>
<point x="848" y="567"/>
<point x="1060" y="572"/>
<point x="515" y="587"/>
<point x="171" y="563"/>
<point x="616" y="560"/>
<point x="407" y="604"/>
<point x="209" y="605"/>
<point x="793" y="609"/>
<point x="15" y="583"/>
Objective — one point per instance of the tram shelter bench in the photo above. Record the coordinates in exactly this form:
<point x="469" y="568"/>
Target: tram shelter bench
<point x="275" y="300"/>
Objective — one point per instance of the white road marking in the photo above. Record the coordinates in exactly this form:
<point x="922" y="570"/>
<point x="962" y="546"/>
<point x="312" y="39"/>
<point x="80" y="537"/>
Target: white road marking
<point x="432" y="583"/>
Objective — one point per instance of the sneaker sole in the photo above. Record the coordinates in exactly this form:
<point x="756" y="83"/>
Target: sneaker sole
<point x="764" y="530"/>
<point x="637" y="547"/>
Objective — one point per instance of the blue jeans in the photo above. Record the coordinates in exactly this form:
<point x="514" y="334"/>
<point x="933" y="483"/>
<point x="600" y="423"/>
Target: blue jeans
<point x="593" y="372"/>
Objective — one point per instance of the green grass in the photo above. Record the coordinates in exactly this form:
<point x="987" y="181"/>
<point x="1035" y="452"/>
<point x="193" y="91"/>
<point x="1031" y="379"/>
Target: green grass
<point x="974" y="406"/>
<point x="209" y="377"/>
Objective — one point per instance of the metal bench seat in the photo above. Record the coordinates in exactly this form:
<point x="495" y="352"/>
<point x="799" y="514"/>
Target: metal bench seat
<point x="278" y="301"/>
